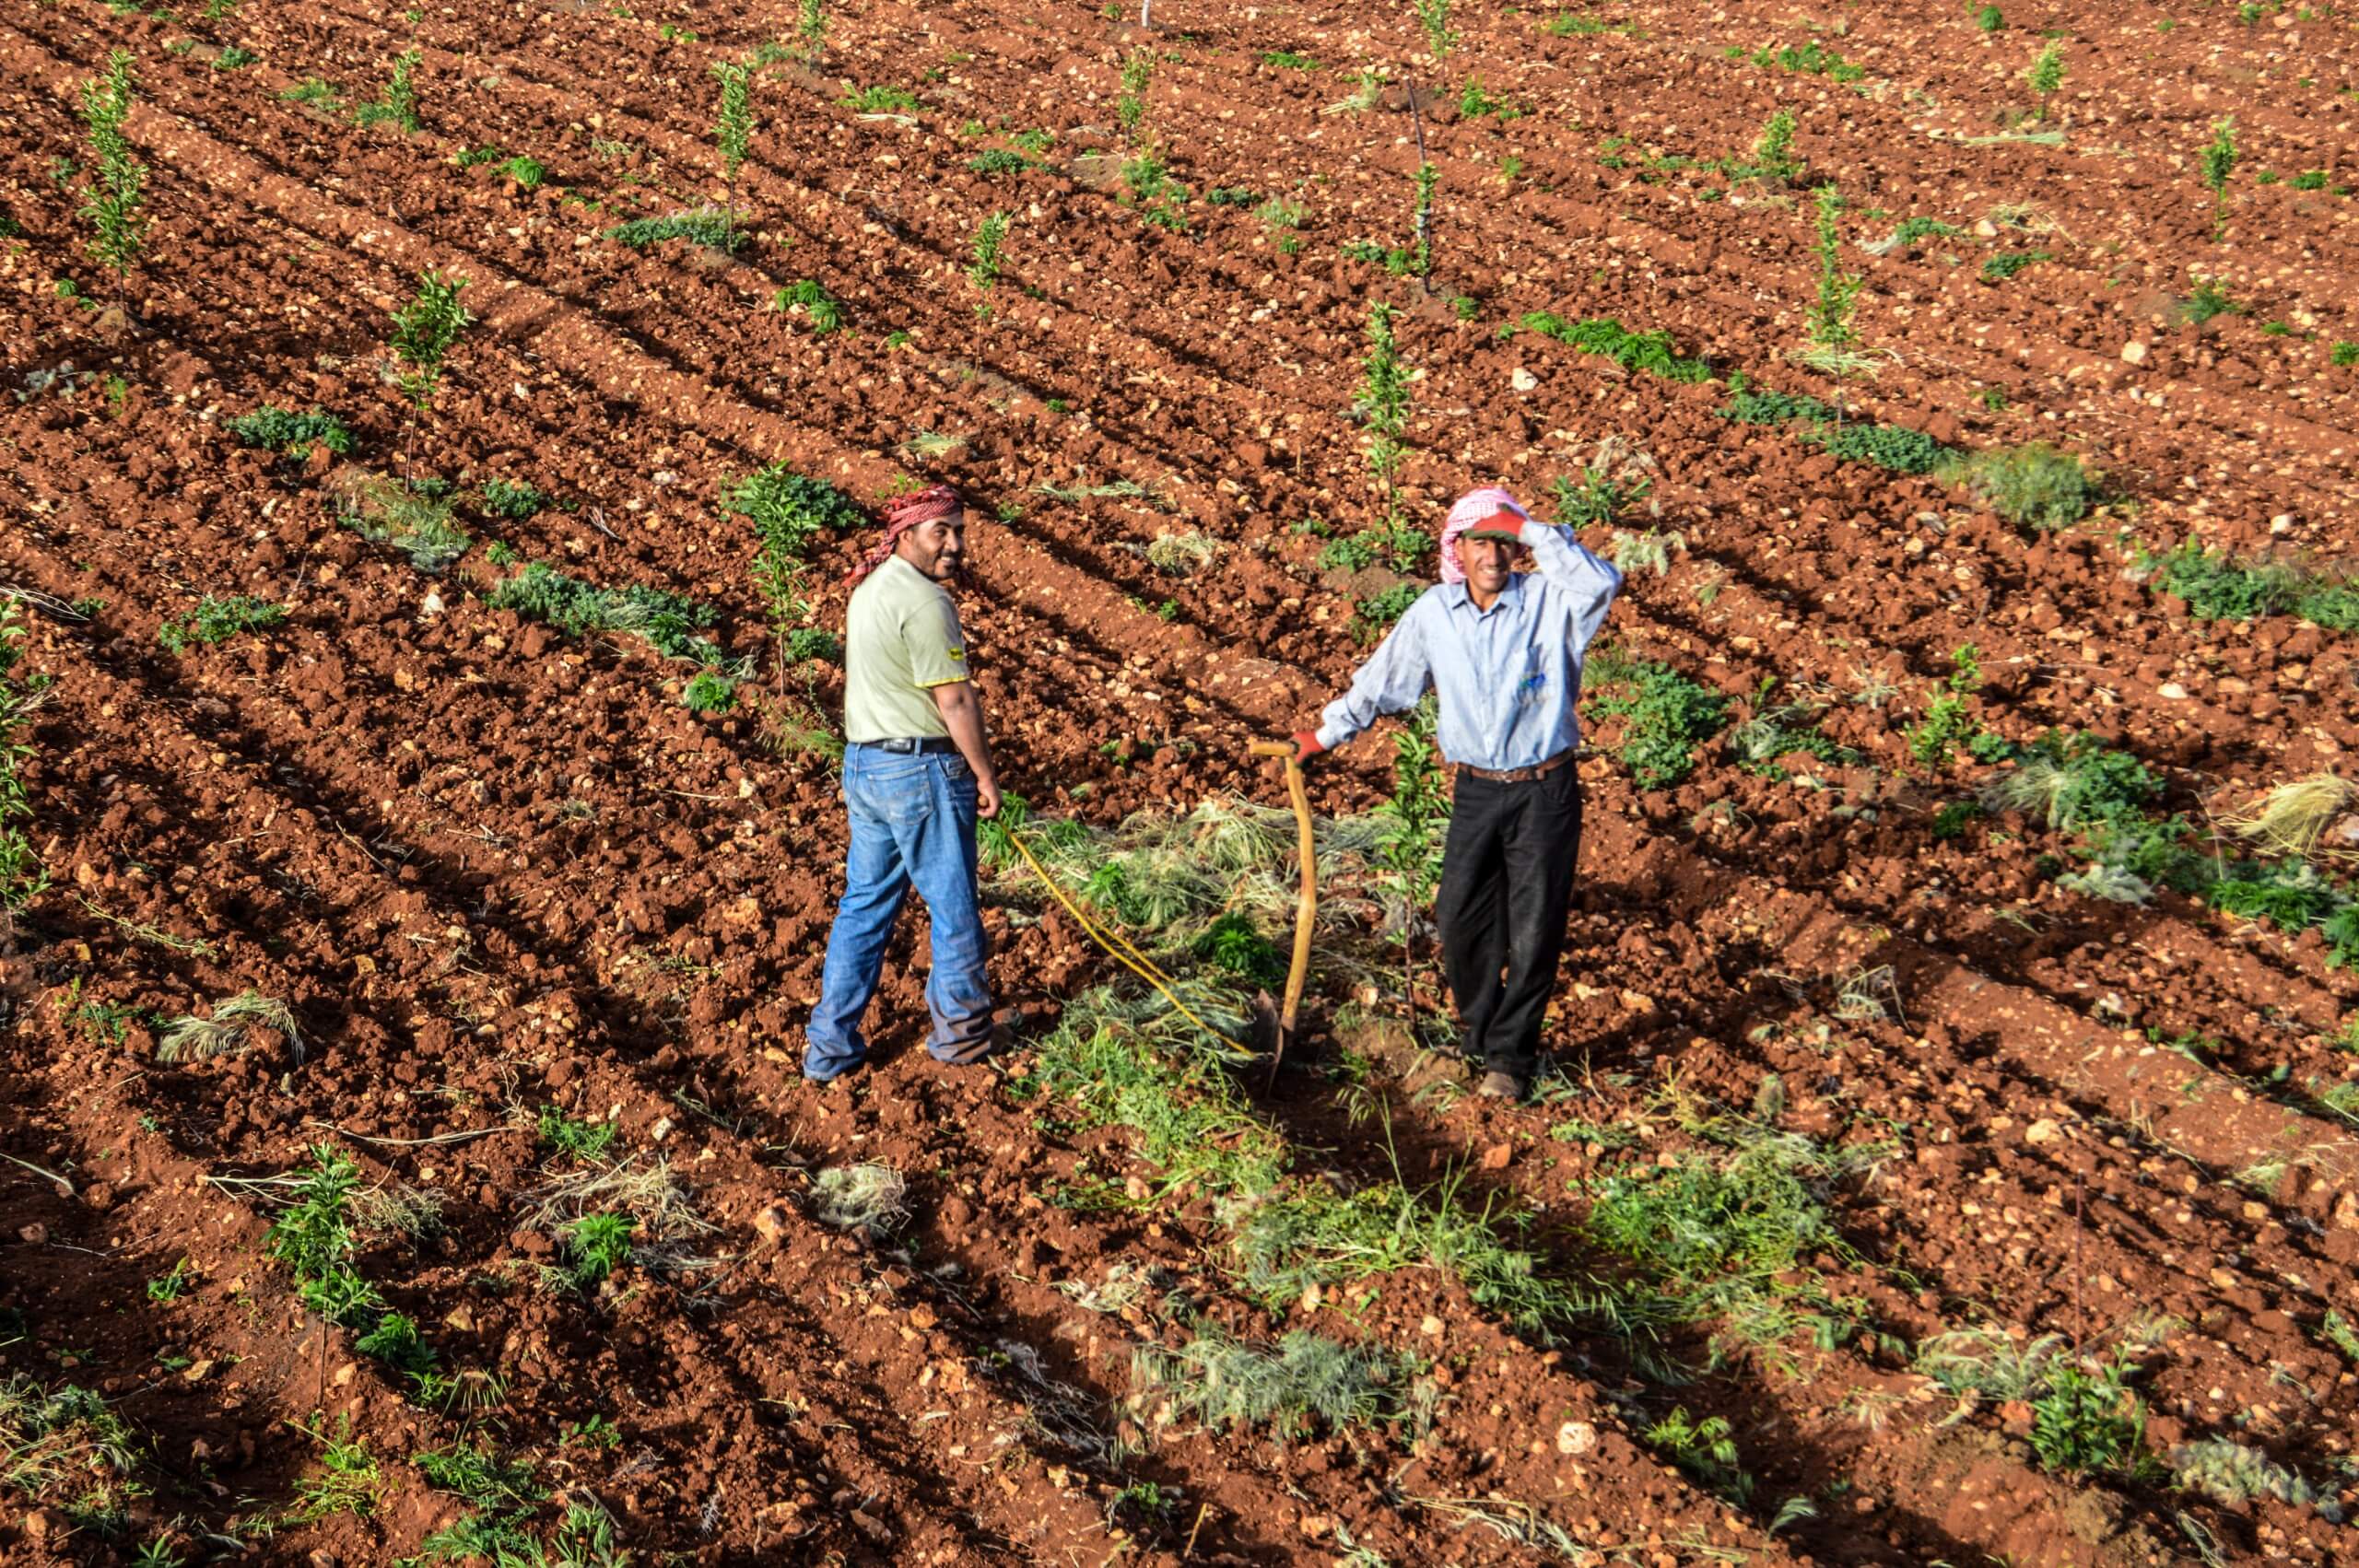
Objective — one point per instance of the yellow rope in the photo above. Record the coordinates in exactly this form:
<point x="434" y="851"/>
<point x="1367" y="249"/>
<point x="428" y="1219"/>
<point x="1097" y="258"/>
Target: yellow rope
<point x="1117" y="946"/>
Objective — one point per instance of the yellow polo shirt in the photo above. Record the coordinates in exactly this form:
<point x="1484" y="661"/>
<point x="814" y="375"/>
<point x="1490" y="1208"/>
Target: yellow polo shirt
<point x="901" y="639"/>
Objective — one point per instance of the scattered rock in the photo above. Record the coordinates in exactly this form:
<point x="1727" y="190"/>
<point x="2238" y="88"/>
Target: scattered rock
<point x="32" y="1234"/>
<point x="2133" y="353"/>
<point x="1522" y="379"/>
<point x="873" y="1528"/>
<point x="2042" y="1131"/>
<point x="1497" y="1157"/>
<point x="770" y="1224"/>
<point x="1576" y="1437"/>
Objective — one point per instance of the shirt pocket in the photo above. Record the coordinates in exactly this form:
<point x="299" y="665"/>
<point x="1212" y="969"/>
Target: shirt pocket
<point x="1536" y="682"/>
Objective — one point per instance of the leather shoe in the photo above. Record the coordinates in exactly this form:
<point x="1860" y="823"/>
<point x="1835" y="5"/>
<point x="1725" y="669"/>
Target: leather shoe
<point x="1500" y="1086"/>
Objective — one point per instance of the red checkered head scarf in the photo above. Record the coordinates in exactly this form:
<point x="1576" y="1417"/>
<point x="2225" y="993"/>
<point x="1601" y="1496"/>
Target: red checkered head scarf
<point x="933" y="501"/>
<point x="1473" y="509"/>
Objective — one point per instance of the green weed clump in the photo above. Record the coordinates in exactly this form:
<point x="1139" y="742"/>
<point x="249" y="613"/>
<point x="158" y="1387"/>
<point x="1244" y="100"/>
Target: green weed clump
<point x="788" y="511"/>
<point x="665" y="621"/>
<point x="1813" y="59"/>
<point x="2219" y="162"/>
<point x="2002" y="268"/>
<point x="1234" y="945"/>
<point x="1001" y="160"/>
<point x="1383" y="408"/>
<point x="1728" y="1235"/>
<point x="1704" y="1451"/>
<point x="1651" y="352"/>
<point x="216" y="619"/>
<point x="281" y="430"/>
<point x="1304" y="1384"/>
<point x="1895" y="447"/>
<point x="714" y="231"/>
<point x="2217" y="586"/>
<point x="2034" y="485"/>
<point x="1380" y="610"/>
<point x="990" y="236"/>
<point x="2074" y="783"/>
<point x="823" y="310"/>
<point x="314" y="1237"/>
<point x="2087" y="1421"/>
<point x="1667" y="716"/>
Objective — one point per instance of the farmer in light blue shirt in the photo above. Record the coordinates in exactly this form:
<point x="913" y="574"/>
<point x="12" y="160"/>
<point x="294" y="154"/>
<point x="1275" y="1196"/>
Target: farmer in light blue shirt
<point x="1502" y="651"/>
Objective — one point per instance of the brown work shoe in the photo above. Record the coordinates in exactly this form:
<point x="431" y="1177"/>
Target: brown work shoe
<point x="1500" y="1086"/>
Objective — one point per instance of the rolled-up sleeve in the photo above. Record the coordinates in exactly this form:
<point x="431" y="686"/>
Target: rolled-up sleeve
<point x="1394" y="677"/>
<point x="1567" y="567"/>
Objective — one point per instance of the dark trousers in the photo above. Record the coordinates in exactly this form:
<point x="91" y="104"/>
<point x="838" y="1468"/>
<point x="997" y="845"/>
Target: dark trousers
<point x="1507" y="882"/>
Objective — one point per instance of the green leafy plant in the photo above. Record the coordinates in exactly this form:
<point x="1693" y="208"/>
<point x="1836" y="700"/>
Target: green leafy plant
<point x="1417" y="818"/>
<point x="314" y="1237"/>
<point x="665" y="621"/>
<point x="704" y="226"/>
<point x="884" y="98"/>
<point x="1441" y="37"/>
<point x="1652" y="352"/>
<point x="812" y="23"/>
<point x="2002" y="267"/>
<point x="424" y="331"/>
<point x="2344" y="354"/>
<point x="2088" y="1422"/>
<point x="818" y="307"/>
<point x="1705" y="1451"/>
<point x="578" y="1140"/>
<point x="991" y="234"/>
<point x="216" y="620"/>
<point x="1773" y="153"/>
<point x="1989" y="19"/>
<point x="2046" y="75"/>
<point x="1287" y="60"/>
<point x="710" y="692"/>
<point x="1380" y="610"/>
<point x="1666" y="715"/>
<point x="1833" y="341"/>
<point x="399" y="106"/>
<point x="597" y="1245"/>
<point x="2218" y="587"/>
<point x="2207" y="300"/>
<point x="234" y="59"/>
<point x="788" y="511"/>
<point x="999" y="160"/>
<point x="115" y="199"/>
<point x="281" y="430"/>
<point x="733" y="131"/>
<point x="1130" y="104"/>
<point x="1384" y="406"/>
<point x="2218" y="163"/>
<point x="513" y="500"/>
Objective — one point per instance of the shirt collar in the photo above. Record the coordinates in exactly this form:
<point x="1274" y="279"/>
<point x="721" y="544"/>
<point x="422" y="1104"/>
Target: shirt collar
<point x="1461" y="598"/>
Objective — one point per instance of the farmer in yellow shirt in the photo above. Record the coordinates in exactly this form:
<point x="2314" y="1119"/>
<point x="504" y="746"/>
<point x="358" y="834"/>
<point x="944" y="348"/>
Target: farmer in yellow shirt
<point x="917" y="776"/>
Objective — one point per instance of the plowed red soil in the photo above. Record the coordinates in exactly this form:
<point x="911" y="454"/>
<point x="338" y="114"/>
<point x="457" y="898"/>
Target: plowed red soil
<point x="491" y="868"/>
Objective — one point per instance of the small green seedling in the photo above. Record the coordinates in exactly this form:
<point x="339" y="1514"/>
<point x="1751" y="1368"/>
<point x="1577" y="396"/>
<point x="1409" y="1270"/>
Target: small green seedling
<point x="2219" y="163"/>
<point x="990" y="235"/>
<point x="2048" y="75"/>
<point x="733" y="131"/>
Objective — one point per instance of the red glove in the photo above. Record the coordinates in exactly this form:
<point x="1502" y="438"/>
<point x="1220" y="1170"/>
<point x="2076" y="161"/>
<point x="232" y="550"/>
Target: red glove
<point x="1306" y="744"/>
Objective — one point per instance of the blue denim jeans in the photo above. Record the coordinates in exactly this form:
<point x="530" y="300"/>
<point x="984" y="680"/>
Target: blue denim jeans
<point x="913" y="824"/>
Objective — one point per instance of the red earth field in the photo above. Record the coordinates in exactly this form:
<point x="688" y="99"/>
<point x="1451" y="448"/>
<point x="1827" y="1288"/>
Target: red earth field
<point x="545" y="935"/>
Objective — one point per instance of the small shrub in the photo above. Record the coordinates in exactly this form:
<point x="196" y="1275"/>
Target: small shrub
<point x="2033" y="487"/>
<point x="280" y="430"/>
<point x="2208" y="300"/>
<point x="216" y="620"/>
<point x="821" y="309"/>
<point x="999" y="160"/>
<point x="425" y="330"/>
<point x="114" y="201"/>
<point x="1383" y="609"/>
<point x="597" y="1245"/>
<point x="1989" y="19"/>
<point x="399" y="106"/>
<point x="581" y="1140"/>
<point x="2344" y="354"/>
<point x="2088" y="1422"/>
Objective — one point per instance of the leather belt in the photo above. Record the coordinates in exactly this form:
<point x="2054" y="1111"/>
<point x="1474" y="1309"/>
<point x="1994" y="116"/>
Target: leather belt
<point x="1519" y="775"/>
<point x="913" y="745"/>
